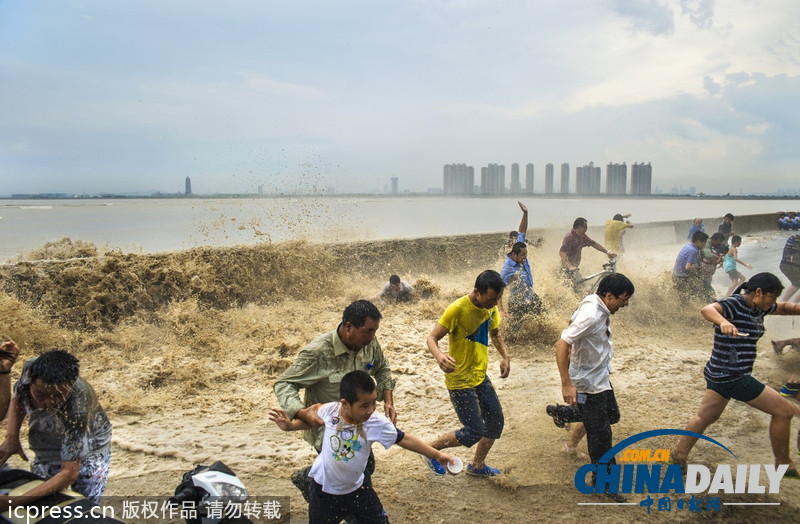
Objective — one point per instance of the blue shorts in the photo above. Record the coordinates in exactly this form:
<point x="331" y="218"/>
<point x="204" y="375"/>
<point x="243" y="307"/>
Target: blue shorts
<point x="479" y="410"/>
<point x="744" y="388"/>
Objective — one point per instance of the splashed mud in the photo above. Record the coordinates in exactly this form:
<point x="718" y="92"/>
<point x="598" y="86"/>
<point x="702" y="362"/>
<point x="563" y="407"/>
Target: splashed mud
<point x="183" y="349"/>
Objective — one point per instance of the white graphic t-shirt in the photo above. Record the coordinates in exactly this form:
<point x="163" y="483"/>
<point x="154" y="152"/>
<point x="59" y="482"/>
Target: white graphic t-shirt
<point x="339" y="468"/>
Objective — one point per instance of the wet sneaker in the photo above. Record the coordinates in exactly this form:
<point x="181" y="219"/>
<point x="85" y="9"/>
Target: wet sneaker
<point x="485" y="471"/>
<point x="434" y="466"/>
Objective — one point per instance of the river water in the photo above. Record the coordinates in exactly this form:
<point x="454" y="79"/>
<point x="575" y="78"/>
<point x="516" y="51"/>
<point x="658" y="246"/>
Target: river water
<point x="157" y="225"/>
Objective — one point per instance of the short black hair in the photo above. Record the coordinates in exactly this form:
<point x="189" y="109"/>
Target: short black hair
<point x="716" y="236"/>
<point x="353" y="383"/>
<point x="728" y="215"/>
<point x="489" y="279"/>
<point x="580" y="222"/>
<point x="616" y="284"/>
<point x="55" y="367"/>
<point x="517" y="247"/>
<point x="357" y="312"/>
<point x="699" y="236"/>
<point x="735" y="238"/>
<point x="394" y="279"/>
<point x="618" y="217"/>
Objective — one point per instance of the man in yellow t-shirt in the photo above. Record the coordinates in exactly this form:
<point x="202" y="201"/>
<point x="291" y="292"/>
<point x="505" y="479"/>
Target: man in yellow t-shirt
<point x="614" y="229"/>
<point x="470" y="322"/>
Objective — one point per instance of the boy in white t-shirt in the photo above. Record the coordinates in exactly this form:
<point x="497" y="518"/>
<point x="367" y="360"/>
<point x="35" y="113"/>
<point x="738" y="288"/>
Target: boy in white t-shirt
<point x="351" y="426"/>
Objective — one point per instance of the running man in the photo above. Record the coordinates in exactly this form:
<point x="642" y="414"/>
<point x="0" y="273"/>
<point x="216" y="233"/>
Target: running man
<point x="583" y="356"/>
<point x="469" y="323"/>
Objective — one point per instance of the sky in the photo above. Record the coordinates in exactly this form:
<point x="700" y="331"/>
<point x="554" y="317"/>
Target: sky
<point x="134" y="96"/>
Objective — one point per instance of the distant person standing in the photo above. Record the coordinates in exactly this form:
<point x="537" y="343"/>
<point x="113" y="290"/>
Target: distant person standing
<point x="726" y="228"/>
<point x="615" y="228"/>
<point x="570" y="251"/>
<point x="790" y="265"/>
<point x="696" y="226"/>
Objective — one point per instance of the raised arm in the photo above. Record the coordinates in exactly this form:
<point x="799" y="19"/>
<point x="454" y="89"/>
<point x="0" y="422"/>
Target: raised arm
<point x="523" y="223"/>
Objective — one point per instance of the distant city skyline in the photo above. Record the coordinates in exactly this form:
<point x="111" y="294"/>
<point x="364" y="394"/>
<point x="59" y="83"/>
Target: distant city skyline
<point x="459" y="179"/>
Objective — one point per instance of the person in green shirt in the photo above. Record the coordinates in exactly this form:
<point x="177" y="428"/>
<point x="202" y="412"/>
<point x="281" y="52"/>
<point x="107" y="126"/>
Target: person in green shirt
<point x="320" y="366"/>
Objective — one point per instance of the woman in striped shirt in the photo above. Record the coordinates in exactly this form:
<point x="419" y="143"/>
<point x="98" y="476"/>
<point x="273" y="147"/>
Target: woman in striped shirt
<point x="738" y="324"/>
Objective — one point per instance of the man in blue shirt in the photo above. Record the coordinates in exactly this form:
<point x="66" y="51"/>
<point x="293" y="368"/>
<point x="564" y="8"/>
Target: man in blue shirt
<point x="685" y="274"/>
<point x="516" y="274"/>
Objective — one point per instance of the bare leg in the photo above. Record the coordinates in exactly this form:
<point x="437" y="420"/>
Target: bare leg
<point x="711" y="407"/>
<point x="448" y="440"/>
<point x="481" y="450"/>
<point x="770" y="401"/>
<point x="789" y="293"/>
<point x="578" y="432"/>
<point x="733" y="287"/>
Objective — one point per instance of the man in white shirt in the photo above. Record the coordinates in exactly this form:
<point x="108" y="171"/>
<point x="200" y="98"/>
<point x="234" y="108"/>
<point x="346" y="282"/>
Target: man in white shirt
<point x="585" y="368"/>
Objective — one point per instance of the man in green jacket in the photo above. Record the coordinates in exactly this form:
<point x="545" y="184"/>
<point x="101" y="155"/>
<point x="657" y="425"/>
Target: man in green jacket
<point x="320" y="366"/>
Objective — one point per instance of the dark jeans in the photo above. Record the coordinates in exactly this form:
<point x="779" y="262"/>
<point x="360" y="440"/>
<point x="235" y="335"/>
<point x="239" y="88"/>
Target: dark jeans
<point x="362" y="504"/>
<point x="598" y="413"/>
<point x="479" y="410"/>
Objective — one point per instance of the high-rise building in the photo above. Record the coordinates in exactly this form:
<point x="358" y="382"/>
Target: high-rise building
<point x="529" y="178"/>
<point x="493" y="179"/>
<point x="394" y="185"/>
<point x="587" y="180"/>
<point x="548" y="179"/>
<point x="616" y="178"/>
<point x="641" y="178"/>
<point x="564" y="178"/>
<point x="459" y="179"/>
<point x="515" y="188"/>
<point x="188" y="186"/>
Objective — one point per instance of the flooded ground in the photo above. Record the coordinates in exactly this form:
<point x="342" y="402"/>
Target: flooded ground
<point x="183" y="349"/>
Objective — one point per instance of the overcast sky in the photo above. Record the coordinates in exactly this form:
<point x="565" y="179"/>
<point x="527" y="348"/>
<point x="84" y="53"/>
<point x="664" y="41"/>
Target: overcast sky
<point x="118" y="96"/>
